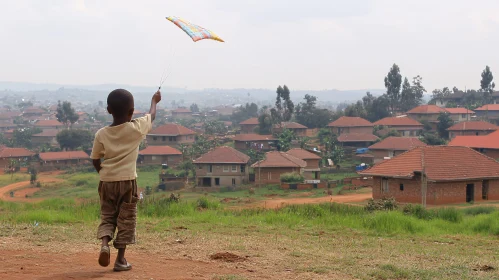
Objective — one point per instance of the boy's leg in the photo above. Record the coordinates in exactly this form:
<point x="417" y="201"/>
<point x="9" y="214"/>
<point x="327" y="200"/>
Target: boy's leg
<point x="108" y="223"/>
<point x="127" y="217"/>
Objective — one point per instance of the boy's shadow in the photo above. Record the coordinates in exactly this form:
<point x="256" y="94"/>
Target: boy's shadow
<point x="78" y="275"/>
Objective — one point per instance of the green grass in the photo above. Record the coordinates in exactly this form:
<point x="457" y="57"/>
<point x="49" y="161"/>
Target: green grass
<point x="7" y="179"/>
<point x="337" y="176"/>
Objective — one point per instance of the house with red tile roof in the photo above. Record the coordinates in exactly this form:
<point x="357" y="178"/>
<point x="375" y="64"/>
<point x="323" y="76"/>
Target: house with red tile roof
<point x="182" y="113"/>
<point x="471" y="128"/>
<point x="298" y="129"/>
<point x="9" y="116"/>
<point x="7" y="126"/>
<point x="394" y="146"/>
<point x="33" y="111"/>
<point x="351" y="125"/>
<point x="404" y="125"/>
<point x="489" y="111"/>
<point x="158" y="155"/>
<point x="248" y="126"/>
<point x="18" y="155"/>
<point x="58" y="160"/>
<point x="49" y="124"/>
<point x="270" y="169"/>
<point x="426" y="113"/>
<point x="222" y="166"/>
<point x="170" y="134"/>
<point x="460" y="114"/>
<point x="46" y="137"/>
<point x="312" y="171"/>
<point x="360" y="140"/>
<point x="254" y="141"/>
<point x="452" y="175"/>
<point x="485" y="144"/>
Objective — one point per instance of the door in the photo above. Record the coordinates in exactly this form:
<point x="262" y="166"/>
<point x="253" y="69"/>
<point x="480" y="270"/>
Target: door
<point x="470" y="192"/>
<point x="217" y="181"/>
<point x="485" y="189"/>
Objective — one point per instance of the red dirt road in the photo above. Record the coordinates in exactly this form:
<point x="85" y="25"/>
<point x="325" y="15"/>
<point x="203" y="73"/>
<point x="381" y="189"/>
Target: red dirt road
<point x="37" y="264"/>
<point x="277" y="203"/>
<point x="20" y="196"/>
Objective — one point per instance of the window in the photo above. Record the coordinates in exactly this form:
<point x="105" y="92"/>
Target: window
<point x="200" y="166"/>
<point x="384" y="185"/>
<point x="154" y="138"/>
<point x="164" y="138"/>
<point x="390" y="154"/>
<point x="233" y="181"/>
<point x="402" y="187"/>
<point x="234" y="168"/>
<point x="463" y="116"/>
<point x="153" y="157"/>
<point x="243" y="168"/>
<point x="210" y="168"/>
<point x="217" y="181"/>
<point x="226" y="168"/>
<point x="172" y="138"/>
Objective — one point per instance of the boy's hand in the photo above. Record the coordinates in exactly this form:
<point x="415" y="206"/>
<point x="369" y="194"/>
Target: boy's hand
<point x="156" y="98"/>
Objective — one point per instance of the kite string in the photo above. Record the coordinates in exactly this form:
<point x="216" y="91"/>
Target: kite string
<point x="167" y="69"/>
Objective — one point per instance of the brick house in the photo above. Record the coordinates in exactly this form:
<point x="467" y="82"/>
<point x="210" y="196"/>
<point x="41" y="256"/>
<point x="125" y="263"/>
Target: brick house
<point x="394" y="146"/>
<point x="222" y="166"/>
<point x="9" y="116"/>
<point x="298" y="129"/>
<point x="485" y="144"/>
<point x="452" y="175"/>
<point x="270" y="169"/>
<point x="33" y="112"/>
<point x="406" y="126"/>
<point x="248" y="126"/>
<point x="56" y="160"/>
<point x="489" y="111"/>
<point x="182" y="113"/>
<point x="47" y="136"/>
<point x="170" y="134"/>
<point x="49" y="124"/>
<point x="475" y="128"/>
<point x="8" y="134"/>
<point x="426" y="113"/>
<point x="160" y="155"/>
<point x="351" y="125"/>
<point x="253" y="141"/>
<point x="460" y="114"/>
<point x="312" y="171"/>
<point x="359" y="140"/>
<point x="7" y="126"/>
<point x="16" y="154"/>
<point x="456" y="97"/>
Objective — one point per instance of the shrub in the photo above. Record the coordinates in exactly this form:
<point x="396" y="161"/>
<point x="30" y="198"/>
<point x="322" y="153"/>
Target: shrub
<point x="381" y="204"/>
<point x="38" y="184"/>
<point x="418" y="211"/>
<point x="292" y="177"/>
<point x="205" y="203"/>
<point x="473" y="211"/>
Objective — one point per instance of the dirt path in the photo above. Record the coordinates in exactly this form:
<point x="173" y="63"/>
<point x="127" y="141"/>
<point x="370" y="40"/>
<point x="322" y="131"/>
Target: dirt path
<point x="20" y="196"/>
<point x="38" y="264"/>
<point x="276" y="203"/>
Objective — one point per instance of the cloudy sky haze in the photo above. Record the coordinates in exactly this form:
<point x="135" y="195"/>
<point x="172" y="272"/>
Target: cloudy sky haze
<point x="314" y="44"/>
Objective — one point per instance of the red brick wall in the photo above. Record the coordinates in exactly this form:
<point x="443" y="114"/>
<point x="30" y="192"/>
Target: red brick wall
<point x="492" y="153"/>
<point x="437" y="193"/>
<point x="171" y="160"/>
<point x="272" y="175"/>
<point x="312" y="163"/>
<point x="355" y="129"/>
<point x="248" y="128"/>
<point x="304" y="186"/>
<point x="241" y="145"/>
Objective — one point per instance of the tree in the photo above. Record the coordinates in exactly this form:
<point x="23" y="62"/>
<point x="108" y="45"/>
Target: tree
<point x="487" y="85"/>
<point x="431" y="138"/>
<point x="71" y="139"/>
<point x="411" y="95"/>
<point x="24" y="104"/>
<point x="324" y="134"/>
<point x="309" y="115"/>
<point x="392" y="83"/>
<point x="214" y="127"/>
<point x="371" y="108"/>
<point x="439" y="93"/>
<point x="444" y="122"/>
<point x="284" y="107"/>
<point x="66" y="114"/>
<point x="255" y="155"/>
<point x="265" y="124"/>
<point x="245" y="112"/>
<point x="194" y="107"/>
<point x="22" y="137"/>
<point x="284" y="140"/>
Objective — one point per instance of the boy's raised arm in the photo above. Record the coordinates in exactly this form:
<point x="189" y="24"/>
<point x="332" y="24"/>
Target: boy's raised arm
<point x="156" y="98"/>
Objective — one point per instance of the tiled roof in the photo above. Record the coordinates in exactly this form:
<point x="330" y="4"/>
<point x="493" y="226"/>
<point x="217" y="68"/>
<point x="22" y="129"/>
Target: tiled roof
<point x="181" y="110"/>
<point x="48" y="123"/>
<point x="441" y="163"/>
<point x="459" y="111"/>
<point x="398" y="121"/>
<point x="350" y="122"/>
<point x="473" y="125"/>
<point x="63" y="155"/>
<point x="357" y="137"/>
<point x="302" y="154"/>
<point x="292" y="125"/>
<point x="280" y="159"/>
<point x="47" y="133"/>
<point x="426" y="109"/>
<point x="15" y="152"/>
<point x="223" y="154"/>
<point x="488" y="107"/>
<point x="159" y="150"/>
<point x="253" y="137"/>
<point x="34" y="110"/>
<point x="490" y="141"/>
<point x="9" y="115"/>
<point x="171" y="129"/>
<point x="250" y="121"/>
<point x="398" y="144"/>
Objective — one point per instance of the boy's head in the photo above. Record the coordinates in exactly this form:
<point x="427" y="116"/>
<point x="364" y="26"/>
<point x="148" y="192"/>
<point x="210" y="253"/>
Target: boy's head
<point x="120" y="104"/>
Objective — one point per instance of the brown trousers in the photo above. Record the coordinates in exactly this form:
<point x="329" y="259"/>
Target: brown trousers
<point x="118" y="207"/>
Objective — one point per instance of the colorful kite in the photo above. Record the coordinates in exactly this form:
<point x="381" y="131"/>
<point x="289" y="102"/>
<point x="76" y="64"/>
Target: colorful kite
<point x="195" y="32"/>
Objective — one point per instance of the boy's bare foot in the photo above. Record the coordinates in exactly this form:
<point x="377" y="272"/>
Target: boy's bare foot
<point x="104" y="256"/>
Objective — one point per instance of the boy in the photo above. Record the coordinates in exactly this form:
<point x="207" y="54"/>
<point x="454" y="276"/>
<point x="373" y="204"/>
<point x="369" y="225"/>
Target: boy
<point x="118" y="146"/>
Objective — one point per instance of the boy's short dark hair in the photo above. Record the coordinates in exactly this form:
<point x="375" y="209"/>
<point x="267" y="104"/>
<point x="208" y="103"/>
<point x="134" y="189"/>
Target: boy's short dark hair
<point x="119" y="102"/>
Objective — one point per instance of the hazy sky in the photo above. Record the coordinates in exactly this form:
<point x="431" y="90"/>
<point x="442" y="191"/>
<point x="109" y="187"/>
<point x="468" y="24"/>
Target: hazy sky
<point x="313" y="44"/>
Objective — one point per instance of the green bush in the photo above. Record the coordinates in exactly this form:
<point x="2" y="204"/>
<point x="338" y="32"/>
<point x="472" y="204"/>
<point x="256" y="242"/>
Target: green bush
<point x="205" y="203"/>
<point x="473" y="211"/>
<point x="381" y="204"/>
<point x="292" y="177"/>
